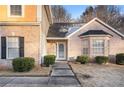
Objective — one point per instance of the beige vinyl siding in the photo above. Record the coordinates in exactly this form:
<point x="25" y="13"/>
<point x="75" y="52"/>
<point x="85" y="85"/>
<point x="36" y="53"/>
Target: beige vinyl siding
<point x="75" y="47"/>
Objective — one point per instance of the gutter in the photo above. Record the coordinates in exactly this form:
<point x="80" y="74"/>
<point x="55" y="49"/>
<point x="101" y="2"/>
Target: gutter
<point x="49" y="13"/>
<point x="19" y="23"/>
<point x="56" y="38"/>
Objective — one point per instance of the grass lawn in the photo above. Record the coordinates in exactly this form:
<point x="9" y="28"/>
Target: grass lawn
<point x="95" y="75"/>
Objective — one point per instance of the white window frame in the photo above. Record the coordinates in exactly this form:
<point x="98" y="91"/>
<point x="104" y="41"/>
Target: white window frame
<point x="7" y="56"/>
<point x="85" y="46"/>
<point x="9" y="13"/>
<point x="103" y="47"/>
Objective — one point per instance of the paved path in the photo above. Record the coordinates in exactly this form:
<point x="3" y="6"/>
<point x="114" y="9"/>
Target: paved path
<point x="61" y="76"/>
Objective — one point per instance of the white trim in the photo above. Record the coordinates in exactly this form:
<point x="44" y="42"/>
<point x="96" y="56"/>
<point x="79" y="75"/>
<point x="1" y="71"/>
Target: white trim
<point x="56" y="38"/>
<point x="23" y="12"/>
<point x="19" y="23"/>
<point x="117" y="32"/>
<point x="95" y="36"/>
<point x="51" y="14"/>
<point x="39" y="13"/>
<point x="57" y="52"/>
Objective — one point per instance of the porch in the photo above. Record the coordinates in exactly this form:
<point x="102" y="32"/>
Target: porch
<point x="58" y="48"/>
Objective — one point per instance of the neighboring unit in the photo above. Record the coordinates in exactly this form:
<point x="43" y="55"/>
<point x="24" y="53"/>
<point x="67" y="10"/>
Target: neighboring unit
<point x="23" y="31"/>
<point x="94" y="38"/>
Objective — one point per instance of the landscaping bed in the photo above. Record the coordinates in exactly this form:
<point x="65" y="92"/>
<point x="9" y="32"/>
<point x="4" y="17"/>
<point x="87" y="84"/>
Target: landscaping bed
<point x="95" y="75"/>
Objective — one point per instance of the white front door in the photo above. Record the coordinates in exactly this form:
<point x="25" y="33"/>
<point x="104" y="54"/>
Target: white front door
<point x="61" y="51"/>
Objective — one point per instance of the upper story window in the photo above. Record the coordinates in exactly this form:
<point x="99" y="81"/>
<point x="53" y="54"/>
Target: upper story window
<point x="16" y="10"/>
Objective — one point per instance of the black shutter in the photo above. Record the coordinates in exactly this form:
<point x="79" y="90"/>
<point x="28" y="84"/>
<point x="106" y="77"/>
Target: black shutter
<point x="21" y="46"/>
<point x="3" y="47"/>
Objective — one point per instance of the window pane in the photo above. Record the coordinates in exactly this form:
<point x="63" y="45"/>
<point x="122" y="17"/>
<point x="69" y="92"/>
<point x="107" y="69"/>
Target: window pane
<point x="85" y="51"/>
<point x="85" y="43"/>
<point x="98" y="47"/>
<point x="13" y="42"/>
<point x="16" y="10"/>
<point x="85" y="47"/>
<point x="13" y="47"/>
<point x="13" y="52"/>
<point x="61" y="51"/>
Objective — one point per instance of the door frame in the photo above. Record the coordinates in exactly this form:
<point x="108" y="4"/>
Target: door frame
<point x="57" y="51"/>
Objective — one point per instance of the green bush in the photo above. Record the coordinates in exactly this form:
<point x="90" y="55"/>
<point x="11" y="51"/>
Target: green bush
<point x="78" y="58"/>
<point x="120" y="58"/>
<point x="101" y="59"/>
<point x="82" y="59"/>
<point x="23" y="64"/>
<point x="49" y="60"/>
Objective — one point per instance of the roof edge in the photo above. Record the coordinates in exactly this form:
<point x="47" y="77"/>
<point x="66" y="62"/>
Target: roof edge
<point x="96" y="36"/>
<point x="49" y="13"/>
<point x="56" y="38"/>
<point x="103" y="23"/>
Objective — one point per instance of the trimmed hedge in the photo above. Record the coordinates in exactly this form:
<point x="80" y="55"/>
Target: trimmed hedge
<point x="120" y="58"/>
<point x="82" y="59"/>
<point x="101" y="59"/>
<point x="49" y="60"/>
<point x="23" y="64"/>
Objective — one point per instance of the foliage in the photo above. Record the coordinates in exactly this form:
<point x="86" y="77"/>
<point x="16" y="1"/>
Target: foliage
<point x="23" y="64"/>
<point x="120" y="58"/>
<point x="82" y="59"/>
<point x="49" y="60"/>
<point x="110" y="14"/>
<point x="60" y="14"/>
<point x="101" y="59"/>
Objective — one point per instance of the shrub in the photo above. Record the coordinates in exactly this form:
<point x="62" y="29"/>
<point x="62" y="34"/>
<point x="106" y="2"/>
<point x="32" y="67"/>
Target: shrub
<point x="23" y="64"/>
<point x="120" y="59"/>
<point x="49" y="60"/>
<point x="101" y="59"/>
<point x="78" y="58"/>
<point x="82" y="59"/>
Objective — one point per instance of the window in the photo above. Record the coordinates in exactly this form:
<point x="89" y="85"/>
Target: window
<point x="98" y="47"/>
<point x="85" y="47"/>
<point x="16" y="10"/>
<point x="12" y="47"/>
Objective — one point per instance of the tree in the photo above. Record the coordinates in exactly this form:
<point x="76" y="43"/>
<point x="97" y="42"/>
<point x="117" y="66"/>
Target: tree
<point x="109" y="14"/>
<point x="87" y="15"/>
<point x="60" y="14"/>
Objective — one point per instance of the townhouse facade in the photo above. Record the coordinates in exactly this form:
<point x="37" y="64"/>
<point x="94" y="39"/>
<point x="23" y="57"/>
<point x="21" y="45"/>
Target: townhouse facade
<point x="23" y="30"/>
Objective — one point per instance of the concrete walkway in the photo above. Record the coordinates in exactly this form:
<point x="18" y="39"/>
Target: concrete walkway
<point x="61" y="76"/>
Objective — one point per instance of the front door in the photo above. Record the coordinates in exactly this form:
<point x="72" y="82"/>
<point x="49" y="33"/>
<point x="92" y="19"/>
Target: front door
<point x="61" y="51"/>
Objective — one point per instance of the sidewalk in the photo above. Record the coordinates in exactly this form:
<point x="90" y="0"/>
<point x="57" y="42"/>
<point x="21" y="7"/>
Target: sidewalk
<point x="63" y="76"/>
